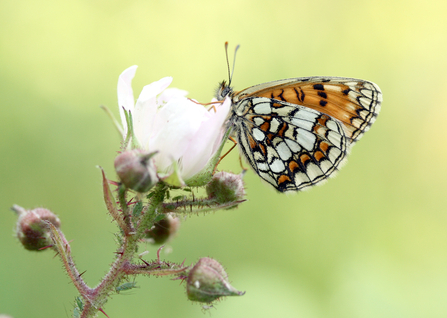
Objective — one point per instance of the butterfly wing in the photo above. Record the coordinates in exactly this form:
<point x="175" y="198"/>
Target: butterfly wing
<point x="356" y="103"/>
<point x="289" y="146"/>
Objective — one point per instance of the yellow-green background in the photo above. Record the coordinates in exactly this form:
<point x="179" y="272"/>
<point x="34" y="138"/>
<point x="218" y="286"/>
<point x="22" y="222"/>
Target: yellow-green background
<point x="370" y="243"/>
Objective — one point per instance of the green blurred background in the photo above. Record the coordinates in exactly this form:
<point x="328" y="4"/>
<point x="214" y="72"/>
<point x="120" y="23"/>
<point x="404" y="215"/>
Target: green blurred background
<point x="370" y="243"/>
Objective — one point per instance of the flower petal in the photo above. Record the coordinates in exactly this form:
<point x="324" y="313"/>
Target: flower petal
<point x="206" y="141"/>
<point x="183" y="133"/>
<point x="176" y="124"/>
<point x="125" y="93"/>
<point x="169" y="94"/>
<point x="146" y="109"/>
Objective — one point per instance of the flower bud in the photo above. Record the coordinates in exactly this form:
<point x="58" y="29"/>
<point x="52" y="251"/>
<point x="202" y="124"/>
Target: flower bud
<point x="163" y="230"/>
<point x="32" y="230"/>
<point x="208" y="281"/>
<point x="226" y="187"/>
<point x="136" y="170"/>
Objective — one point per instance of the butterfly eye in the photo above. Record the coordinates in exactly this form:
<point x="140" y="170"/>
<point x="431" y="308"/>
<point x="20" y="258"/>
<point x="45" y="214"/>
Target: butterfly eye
<point x="226" y="91"/>
<point x="223" y="91"/>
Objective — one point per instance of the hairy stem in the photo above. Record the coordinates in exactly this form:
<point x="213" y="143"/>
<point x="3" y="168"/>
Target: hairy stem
<point x="99" y="295"/>
<point x="122" y="191"/>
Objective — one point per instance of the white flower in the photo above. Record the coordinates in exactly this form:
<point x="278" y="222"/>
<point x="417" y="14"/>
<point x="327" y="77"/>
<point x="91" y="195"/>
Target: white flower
<point x="185" y="134"/>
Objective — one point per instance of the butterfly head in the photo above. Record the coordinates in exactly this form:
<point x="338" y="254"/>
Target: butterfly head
<point x="223" y="91"/>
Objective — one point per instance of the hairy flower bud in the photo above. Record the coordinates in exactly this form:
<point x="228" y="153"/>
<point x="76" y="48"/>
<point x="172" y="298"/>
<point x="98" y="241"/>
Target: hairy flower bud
<point x="226" y="187"/>
<point x="32" y="230"/>
<point x="163" y="230"/>
<point x="136" y="170"/>
<point x="208" y="281"/>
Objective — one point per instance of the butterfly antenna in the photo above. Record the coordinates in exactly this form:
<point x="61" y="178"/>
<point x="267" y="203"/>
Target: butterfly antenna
<point x="228" y="63"/>
<point x="234" y="62"/>
<point x="230" y="74"/>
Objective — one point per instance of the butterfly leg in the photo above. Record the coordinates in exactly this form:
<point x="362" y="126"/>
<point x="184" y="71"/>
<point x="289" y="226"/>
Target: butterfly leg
<point x="213" y="107"/>
<point x="206" y="104"/>
<point x="242" y="165"/>
<point x="220" y="159"/>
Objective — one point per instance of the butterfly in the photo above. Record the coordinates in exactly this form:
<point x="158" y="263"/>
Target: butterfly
<point x="296" y="133"/>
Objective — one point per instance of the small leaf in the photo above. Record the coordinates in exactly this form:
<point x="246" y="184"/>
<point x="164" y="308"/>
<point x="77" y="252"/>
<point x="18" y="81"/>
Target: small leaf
<point x="138" y="207"/>
<point x="126" y="286"/>
<point x="112" y="117"/>
<point x="110" y="202"/>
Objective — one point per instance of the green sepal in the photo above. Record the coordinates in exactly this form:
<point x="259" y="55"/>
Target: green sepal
<point x="206" y="174"/>
<point x="174" y="179"/>
<point x="130" y="136"/>
<point x="115" y="122"/>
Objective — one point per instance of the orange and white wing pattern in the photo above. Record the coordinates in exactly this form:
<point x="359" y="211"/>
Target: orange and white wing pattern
<point x="295" y="133"/>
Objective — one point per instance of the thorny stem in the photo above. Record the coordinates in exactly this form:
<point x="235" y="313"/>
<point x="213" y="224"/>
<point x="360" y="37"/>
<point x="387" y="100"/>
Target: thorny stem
<point x="112" y="205"/>
<point x="153" y="209"/>
<point x="122" y="191"/>
<point x="195" y="206"/>
<point x="128" y="248"/>
<point x="95" y="298"/>
<point x="63" y="248"/>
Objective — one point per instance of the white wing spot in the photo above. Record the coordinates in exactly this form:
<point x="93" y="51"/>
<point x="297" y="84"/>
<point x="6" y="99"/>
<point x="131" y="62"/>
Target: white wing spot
<point x="334" y="155"/>
<point x="307" y="114"/>
<point x="274" y="124"/>
<point x="367" y="93"/>
<point x="325" y="165"/>
<point x="267" y="178"/>
<point x="258" y="121"/>
<point x="357" y="122"/>
<point x="313" y="171"/>
<point x="262" y="108"/>
<point x="332" y="125"/>
<point x="294" y="146"/>
<point x="258" y="156"/>
<point x="300" y="178"/>
<point x="306" y="139"/>
<point x="262" y="166"/>
<point x="258" y="134"/>
<point x="364" y="114"/>
<point x="334" y="138"/>
<point x="277" y="166"/>
<point x="283" y="151"/>
<point x="302" y="123"/>
<point x="365" y="102"/>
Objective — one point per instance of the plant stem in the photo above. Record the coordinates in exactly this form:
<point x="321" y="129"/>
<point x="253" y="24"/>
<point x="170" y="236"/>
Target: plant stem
<point x="99" y="295"/>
